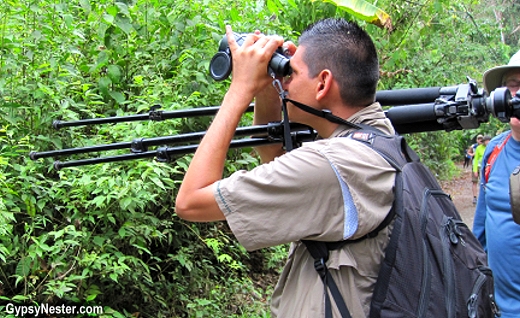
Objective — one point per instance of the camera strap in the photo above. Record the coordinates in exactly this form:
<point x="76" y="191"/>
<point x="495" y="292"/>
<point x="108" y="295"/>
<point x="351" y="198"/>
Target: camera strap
<point x="325" y="113"/>
<point x="287" y="138"/>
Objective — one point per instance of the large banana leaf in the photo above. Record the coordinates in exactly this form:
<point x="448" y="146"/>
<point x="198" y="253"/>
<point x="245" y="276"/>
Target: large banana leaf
<point x="365" y="11"/>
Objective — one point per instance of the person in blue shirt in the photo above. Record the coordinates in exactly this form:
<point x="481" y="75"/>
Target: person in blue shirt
<point x="493" y="224"/>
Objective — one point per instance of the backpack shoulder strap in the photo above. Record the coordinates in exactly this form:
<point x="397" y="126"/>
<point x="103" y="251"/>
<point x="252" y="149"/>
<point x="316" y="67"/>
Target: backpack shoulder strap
<point x="393" y="148"/>
<point x="396" y="152"/>
<point x="320" y="253"/>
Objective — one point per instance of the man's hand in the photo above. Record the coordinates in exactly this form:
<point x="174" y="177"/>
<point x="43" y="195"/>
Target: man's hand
<point x="268" y="109"/>
<point x="195" y="200"/>
<point x="250" y="62"/>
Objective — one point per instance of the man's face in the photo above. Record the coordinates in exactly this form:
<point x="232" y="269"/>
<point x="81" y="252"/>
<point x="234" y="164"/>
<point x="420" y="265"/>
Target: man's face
<point x="300" y="87"/>
<point x="512" y="81"/>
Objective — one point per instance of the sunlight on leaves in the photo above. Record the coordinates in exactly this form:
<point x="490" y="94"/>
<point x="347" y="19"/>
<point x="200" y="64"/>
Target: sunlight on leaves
<point x="365" y="11"/>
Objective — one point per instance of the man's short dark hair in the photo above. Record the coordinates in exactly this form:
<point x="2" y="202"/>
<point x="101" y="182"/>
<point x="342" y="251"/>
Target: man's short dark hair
<point x="346" y="50"/>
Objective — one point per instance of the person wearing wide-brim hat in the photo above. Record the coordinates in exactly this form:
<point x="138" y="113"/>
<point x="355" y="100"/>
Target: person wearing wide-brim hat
<point x="496" y="76"/>
<point x="493" y="223"/>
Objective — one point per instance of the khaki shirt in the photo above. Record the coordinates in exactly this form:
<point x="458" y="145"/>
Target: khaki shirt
<point x="327" y="190"/>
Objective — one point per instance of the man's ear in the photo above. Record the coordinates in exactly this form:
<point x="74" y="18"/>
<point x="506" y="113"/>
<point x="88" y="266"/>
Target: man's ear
<point x="324" y="84"/>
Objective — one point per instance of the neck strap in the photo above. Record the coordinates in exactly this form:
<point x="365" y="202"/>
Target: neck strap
<point x="327" y="114"/>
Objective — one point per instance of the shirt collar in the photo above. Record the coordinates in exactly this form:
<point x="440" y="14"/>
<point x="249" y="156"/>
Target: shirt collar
<point x="372" y="115"/>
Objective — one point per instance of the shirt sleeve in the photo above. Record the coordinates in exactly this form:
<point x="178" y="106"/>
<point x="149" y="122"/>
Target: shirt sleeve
<point x="479" y="220"/>
<point x="279" y="202"/>
<point x="306" y="194"/>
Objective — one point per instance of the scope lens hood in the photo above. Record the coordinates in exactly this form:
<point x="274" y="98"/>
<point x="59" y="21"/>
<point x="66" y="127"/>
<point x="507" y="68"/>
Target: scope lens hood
<point x="220" y="66"/>
<point x="499" y="104"/>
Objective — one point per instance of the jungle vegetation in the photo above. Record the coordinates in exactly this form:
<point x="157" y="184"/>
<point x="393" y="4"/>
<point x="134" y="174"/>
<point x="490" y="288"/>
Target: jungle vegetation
<point x="107" y="234"/>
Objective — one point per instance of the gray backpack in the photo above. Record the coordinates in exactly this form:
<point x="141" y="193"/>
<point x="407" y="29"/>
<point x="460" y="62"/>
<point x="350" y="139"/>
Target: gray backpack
<point x="433" y="266"/>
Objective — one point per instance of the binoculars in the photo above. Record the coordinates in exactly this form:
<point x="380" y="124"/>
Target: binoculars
<point x="220" y="65"/>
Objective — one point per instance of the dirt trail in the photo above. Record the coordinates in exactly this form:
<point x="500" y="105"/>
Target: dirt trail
<point x="460" y="190"/>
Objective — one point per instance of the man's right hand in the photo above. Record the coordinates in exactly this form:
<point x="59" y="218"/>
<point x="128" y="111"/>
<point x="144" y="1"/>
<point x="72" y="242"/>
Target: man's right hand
<point x="250" y="61"/>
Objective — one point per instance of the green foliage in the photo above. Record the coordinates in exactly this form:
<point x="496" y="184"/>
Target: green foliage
<point x="107" y="234"/>
<point x="437" y="44"/>
<point x="298" y="14"/>
<point x="365" y="11"/>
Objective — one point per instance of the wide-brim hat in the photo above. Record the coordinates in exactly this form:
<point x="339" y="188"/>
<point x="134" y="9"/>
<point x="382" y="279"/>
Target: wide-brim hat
<point x="494" y="76"/>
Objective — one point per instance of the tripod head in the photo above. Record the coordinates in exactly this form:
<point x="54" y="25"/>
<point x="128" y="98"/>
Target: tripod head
<point x="412" y="110"/>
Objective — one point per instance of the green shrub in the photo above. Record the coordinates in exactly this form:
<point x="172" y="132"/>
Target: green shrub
<point x="106" y="234"/>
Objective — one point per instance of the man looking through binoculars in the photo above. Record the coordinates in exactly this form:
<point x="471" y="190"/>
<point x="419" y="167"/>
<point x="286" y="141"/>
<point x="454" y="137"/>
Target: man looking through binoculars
<point x="331" y="189"/>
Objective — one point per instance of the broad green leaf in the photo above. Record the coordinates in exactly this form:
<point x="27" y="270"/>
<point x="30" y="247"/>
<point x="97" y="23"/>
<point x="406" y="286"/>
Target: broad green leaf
<point x="92" y="292"/>
<point x="293" y="4"/>
<point x="104" y="83"/>
<point x="365" y="11"/>
<point x="113" y="276"/>
<point x="98" y="201"/>
<point x="224" y="258"/>
<point x="123" y="8"/>
<point x="124" y="24"/>
<point x="108" y="18"/>
<point x="20" y="298"/>
<point x="117" y="96"/>
<point x="24" y="267"/>
<point x="126" y="202"/>
<point x="158" y="182"/>
<point x="85" y="4"/>
<point x="114" y="73"/>
<point x="3" y="251"/>
<point x="98" y="240"/>
<point x="235" y="15"/>
<point x="117" y="314"/>
<point x="271" y="6"/>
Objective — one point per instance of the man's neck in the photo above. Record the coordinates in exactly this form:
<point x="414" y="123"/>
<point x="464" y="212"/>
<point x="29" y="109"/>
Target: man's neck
<point x="325" y="131"/>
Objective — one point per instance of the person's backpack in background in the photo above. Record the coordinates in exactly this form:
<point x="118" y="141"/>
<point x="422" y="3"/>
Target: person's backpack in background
<point x="433" y="266"/>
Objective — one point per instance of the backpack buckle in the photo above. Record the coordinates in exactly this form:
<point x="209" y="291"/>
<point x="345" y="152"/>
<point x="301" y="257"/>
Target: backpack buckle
<point x="320" y="267"/>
